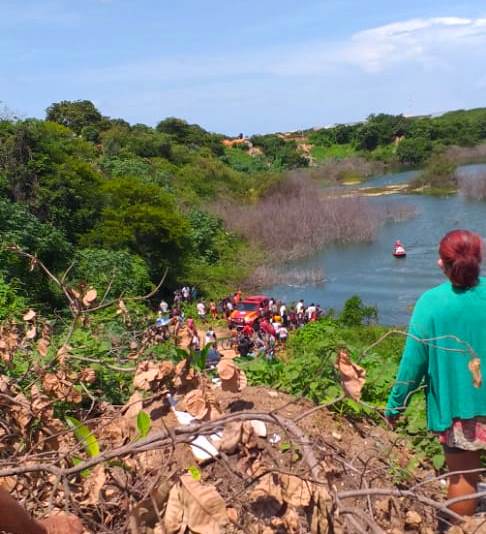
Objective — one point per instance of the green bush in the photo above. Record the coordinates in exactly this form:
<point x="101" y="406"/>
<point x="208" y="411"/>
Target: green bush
<point x="414" y="151"/>
<point x="355" y="313"/>
<point x="118" y="271"/>
<point x="439" y="173"/>
<point x="11" y="304"/>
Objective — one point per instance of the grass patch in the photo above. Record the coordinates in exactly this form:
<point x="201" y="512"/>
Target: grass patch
<point x="320" y="153"/>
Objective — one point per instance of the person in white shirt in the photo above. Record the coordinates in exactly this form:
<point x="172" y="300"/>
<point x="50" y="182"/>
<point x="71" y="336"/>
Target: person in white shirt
<point x="310" y="310"/>
<point x="283" y="333"/>
<point x="201" y="310"/>
<point x="283" y="309"/>
<point x="186" y="292"/>
<point x="164" y="307"/>
<point x="210" y="337"/>
<point x="276" y="326"/>
<point x="300" y="306"/>
<point x="195" y="343"/>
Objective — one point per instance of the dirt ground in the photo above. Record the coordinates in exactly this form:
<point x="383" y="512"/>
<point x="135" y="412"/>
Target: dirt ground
<point x="353" y="454"/>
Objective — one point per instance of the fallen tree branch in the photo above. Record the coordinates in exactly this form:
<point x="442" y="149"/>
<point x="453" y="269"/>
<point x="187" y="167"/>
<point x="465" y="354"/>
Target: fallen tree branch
<point x="174" y="436"/>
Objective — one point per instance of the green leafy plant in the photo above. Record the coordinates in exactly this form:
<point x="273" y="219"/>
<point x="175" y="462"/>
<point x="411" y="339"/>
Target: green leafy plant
<point x="84" y="435"/>
<point x="144" y="423"/>
<point x="195" y="472"/>
<point x="198" y="359"/>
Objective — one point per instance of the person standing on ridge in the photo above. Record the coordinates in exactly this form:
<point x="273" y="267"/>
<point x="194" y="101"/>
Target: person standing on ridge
<point x="446" y="345"/>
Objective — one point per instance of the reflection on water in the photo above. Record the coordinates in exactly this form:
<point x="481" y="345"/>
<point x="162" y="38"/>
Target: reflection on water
<point x="370" y="270"/>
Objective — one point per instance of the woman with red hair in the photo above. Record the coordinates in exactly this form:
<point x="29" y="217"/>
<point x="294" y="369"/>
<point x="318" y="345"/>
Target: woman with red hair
<point x="446" y="346"/>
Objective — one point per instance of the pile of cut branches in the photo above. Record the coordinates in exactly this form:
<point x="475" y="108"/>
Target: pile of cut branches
<point x="191" y="449"/>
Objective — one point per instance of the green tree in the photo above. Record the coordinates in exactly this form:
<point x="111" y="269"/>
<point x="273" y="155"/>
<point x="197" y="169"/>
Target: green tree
<point x="343" y="133"/>
<point x="389" y="126"/>
<point x="179" y="129"/>
<point x="205" y="177"/>
<point x="149" y="144"/>
<point x="75" y="115"/>
<point x="115" y="271"/>
<point x="205" y="232"/>
<point x="439" y="172"/>
<point x="356" y="313"/>
<point x="281" y="153"/>
<point x="114" y="139"/>
<point x="191" y="135"/>
<point x="423" y="127"/>
<point x="129" y="166"/>
<point x="367" y="137"/>
<point x="414" y="151"/>
<point x="50" y="171"/>
<point x="19" y="227"/>
<point x="144" y="219"/>
<point x="91" y="133"/>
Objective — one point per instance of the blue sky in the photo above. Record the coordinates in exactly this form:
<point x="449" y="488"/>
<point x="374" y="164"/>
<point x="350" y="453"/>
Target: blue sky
<point x="244" y="66"/>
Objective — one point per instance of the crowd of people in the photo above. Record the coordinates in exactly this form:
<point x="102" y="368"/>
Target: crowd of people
<point x="266" y="332"/>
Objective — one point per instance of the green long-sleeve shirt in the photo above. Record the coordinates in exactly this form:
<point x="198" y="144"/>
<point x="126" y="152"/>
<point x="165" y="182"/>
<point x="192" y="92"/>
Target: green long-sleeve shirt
<point x="443" y="361"/>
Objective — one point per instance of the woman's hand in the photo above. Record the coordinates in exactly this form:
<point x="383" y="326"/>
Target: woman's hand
<point x="62" y="523"/>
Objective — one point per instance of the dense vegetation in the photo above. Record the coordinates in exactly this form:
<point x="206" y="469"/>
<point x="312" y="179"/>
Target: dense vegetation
<point x="399" y="139"/>
<point x="438" y="176"/>
<point x="122" y="202"/>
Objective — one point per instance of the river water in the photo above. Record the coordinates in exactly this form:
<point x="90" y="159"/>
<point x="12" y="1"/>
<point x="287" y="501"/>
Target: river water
<point x="369" y="269"/>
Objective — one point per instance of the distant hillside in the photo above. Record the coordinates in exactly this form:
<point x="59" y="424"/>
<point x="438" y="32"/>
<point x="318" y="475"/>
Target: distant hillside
<point x="389" y="138"/>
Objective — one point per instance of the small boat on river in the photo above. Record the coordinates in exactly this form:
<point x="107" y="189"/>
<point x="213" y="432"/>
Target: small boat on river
<point x="399" y="250"/>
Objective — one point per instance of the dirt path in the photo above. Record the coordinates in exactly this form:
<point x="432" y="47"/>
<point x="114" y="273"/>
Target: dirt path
<point x="221" y="333"/>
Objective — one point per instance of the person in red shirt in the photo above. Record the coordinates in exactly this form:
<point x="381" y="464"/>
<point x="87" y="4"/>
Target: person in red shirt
<point x="266" y="327"/>
<point x="248" y="330"/>
<point x="213" y="310"/>
<point x="191" y="325"/>
<point x="293" y="318"/>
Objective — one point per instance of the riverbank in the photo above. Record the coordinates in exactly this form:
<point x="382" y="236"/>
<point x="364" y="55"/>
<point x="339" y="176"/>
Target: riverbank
<point x="400" y="189"/>
<point x="370" y="191"/>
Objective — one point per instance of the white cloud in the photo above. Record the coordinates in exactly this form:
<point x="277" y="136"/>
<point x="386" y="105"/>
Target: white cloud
<point x="421" y="40"/>
<point x="430" y="42"/>
<point x="439" y="61"/>
<point x="427" y="41"/>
